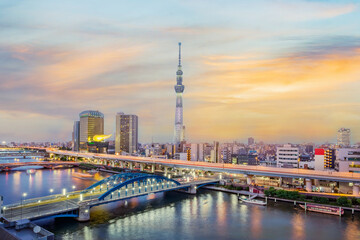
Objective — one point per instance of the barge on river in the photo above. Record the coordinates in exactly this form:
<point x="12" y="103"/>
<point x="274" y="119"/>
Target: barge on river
<point x="323" y="209"/>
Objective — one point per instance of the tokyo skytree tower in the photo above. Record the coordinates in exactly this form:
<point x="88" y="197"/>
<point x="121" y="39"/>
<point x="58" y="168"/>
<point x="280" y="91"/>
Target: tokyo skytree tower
<point x="179" y="133"/>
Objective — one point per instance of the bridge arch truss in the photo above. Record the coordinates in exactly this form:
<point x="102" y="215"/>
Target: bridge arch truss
<point x="144" y="184"/>
<point x="113" y="180"/>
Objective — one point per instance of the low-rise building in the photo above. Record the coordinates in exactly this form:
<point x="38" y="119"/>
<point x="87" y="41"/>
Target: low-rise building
<point x="347" y="160"/>
<point x="245" y="159"/>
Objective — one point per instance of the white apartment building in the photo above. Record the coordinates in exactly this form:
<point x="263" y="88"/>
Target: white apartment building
<point x="287" y="156"/>
<point x="347" y="160"/>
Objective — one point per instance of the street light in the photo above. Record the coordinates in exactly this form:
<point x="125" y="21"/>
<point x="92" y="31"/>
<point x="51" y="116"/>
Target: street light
<point x="22" y="197"/>
<point x="39" y="207"/>
<point x="51" y="190"/>
<point x="73" y="187"/>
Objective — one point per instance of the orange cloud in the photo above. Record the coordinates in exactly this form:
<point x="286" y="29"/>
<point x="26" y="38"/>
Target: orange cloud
<point x="78" y="67"/>
<point x="304" y="97"/>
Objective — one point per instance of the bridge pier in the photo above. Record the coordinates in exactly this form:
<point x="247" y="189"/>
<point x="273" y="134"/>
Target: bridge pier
<point x="356" y="189"/>
<point x="280" y="181"/>
<point x="165" y="171"/>
<point x="131" y="166"/>
<point x="113" y="163"/>
<point x="308" y="185"/>
<point x="180" y="171"/>
<point x="248" y="179"/>
<point x="190" y="190"/>
<point x="316" y="182"/>
<point x="84" y="213"/>
<point x="121" y="164"/>
<point x="153" y="168"/>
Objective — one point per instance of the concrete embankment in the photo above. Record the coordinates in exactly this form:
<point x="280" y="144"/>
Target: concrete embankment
<point x="242" y="192"/>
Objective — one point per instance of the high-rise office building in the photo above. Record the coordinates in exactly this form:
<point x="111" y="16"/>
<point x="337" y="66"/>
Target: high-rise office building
<point x="126" y="135"/>
<point x="76" y="136"/>
<point x="215" y="153"/>
<point x="197" y="152"/>
<point x="194" y="152"/>
<point x="343" y="137"/>
<point x="179" y="131"/>
<point x="91" y="124"/>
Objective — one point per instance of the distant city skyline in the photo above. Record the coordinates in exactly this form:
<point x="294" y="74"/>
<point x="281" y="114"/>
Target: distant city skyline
<point x="278" y="71"/>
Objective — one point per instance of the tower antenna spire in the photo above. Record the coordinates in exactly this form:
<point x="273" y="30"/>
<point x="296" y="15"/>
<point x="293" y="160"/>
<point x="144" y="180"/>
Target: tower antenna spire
<point x="179" y="53"/>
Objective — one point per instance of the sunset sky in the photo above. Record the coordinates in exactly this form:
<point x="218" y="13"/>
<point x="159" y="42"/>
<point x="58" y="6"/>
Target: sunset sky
<point x="279" y="71"/>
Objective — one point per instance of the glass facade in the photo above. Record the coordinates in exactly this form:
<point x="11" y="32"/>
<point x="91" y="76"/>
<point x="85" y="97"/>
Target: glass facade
<point x="91" y="124"/>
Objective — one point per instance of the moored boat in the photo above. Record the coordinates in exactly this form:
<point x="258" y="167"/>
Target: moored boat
<point x="252" y="200"/>
<point x="82" y="175"/>
<point x="323" y="209"/>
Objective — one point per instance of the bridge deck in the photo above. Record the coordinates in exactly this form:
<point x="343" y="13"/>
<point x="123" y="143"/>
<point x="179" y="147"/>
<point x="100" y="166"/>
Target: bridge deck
<point x="41" y="163"/>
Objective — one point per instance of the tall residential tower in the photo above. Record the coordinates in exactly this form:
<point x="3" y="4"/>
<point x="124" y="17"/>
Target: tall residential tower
<point x="343" y="137"/>
<point x="126" y="136"/>
<point x="179" y="133"/>
<point x="76" y="136"/>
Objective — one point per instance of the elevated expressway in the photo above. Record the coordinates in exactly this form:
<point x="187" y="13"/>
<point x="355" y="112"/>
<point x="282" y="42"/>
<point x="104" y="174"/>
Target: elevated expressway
<point x="214" y="167"/>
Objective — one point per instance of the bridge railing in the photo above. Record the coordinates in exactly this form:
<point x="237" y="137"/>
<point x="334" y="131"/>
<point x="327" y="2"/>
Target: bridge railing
<point x="42" y="199"/>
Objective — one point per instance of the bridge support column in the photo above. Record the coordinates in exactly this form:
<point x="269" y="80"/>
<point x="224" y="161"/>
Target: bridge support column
<point x="165" y="171"/>
<point x="141" y="167"/>
<point x="191" y="189"/>
<point x="356" y="189"/>
<point x="153" y="168"/>
<point x="180" y="171"/>
<point x="113" y="163"/>
<point x="84" y="213"/>
<point x="308" y="185"/>
<point x="248" y="179"/>
<point x="131" y="165"/>
<point x="280" y="181"/>
<point x="121" y="164"/>
<point x="316" y="182"/>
